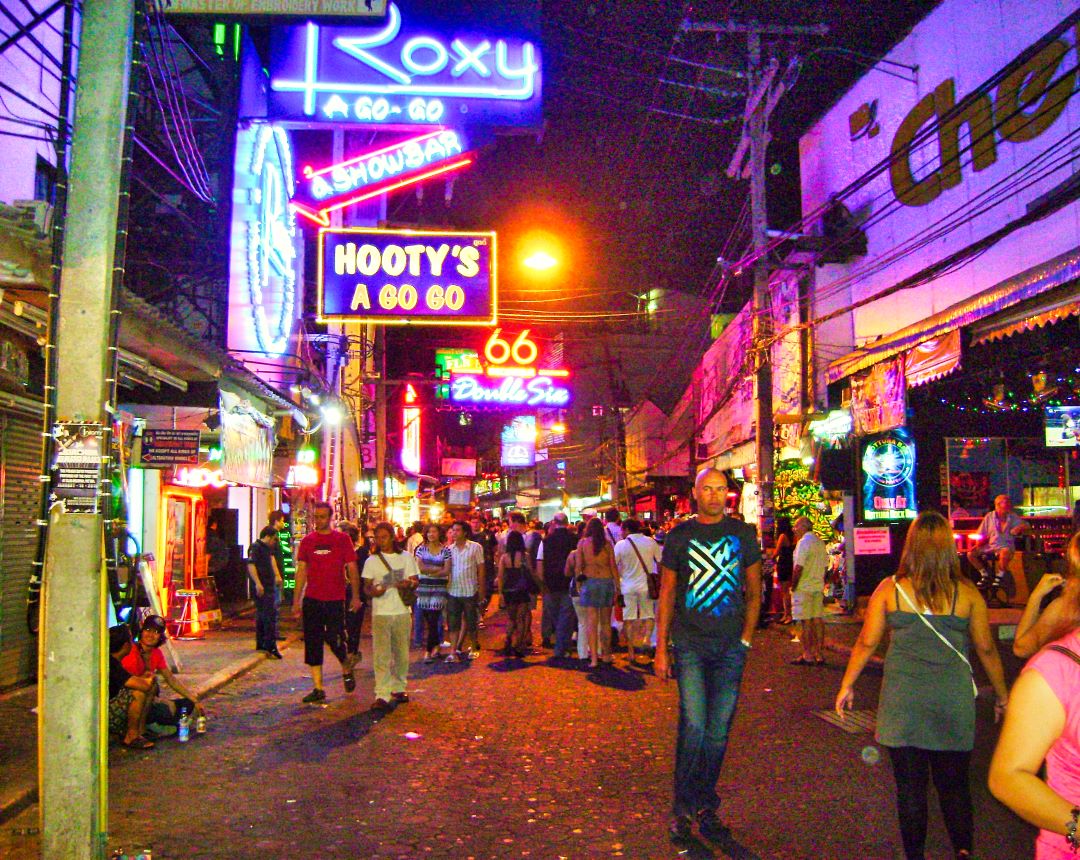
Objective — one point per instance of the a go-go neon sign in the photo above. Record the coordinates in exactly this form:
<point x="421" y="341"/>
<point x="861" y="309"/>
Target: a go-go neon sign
<point x="403" y="74"/>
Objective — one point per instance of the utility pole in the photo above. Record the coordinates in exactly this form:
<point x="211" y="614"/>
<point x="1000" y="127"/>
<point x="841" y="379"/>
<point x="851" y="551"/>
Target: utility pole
<point x="72" y="722"/>
<point x="763" y="94"/>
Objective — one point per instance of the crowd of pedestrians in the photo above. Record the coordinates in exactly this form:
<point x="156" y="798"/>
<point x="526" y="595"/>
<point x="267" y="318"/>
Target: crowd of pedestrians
<point x="693" y="587"/>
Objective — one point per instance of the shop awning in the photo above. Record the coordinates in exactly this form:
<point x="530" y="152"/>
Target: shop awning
<point x="737" y="457"/>
<point x="1032" y="314"/>
<point x="1006" y="295"/>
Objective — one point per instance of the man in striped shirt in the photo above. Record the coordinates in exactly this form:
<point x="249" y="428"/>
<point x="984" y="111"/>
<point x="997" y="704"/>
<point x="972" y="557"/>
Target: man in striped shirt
<point x="467" y="589"/>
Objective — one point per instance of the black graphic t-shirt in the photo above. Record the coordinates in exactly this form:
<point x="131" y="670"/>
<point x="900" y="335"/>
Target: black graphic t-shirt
<point x="710" y="561"/>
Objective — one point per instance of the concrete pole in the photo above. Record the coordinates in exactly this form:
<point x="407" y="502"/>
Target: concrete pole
<point x="72" y="718"/>
<point x="763" y="321"/>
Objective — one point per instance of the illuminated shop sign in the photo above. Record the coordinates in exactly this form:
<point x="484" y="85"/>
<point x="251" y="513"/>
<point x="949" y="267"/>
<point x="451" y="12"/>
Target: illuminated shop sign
<point x="402" y="74"/>
<point x="519" y="442"/>
<point x="510" y="377"/>
<point x="410" y="432"/>
<point x="199" y="477"/>
<point x="266" y="248"/>
<point x="450" y="361"/>
<point x="321" y="192"/>
<point x="305" y="471"/>
<point x="888" y="466"/>
<point x="398" y="277"/>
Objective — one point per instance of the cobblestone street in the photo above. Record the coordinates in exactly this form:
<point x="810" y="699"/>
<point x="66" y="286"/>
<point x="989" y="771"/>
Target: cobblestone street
<point x="514" y="759"/>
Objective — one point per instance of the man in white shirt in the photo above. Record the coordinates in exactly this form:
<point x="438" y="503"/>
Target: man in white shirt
<point x="466" y="590"/>
<point x="637" y="556"/>
<point x="808" y="592"/>
<point x="612" y="526"/>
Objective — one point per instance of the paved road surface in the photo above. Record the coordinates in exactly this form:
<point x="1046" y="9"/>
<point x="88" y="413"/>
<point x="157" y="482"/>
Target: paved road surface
<point x="514" y="759"/>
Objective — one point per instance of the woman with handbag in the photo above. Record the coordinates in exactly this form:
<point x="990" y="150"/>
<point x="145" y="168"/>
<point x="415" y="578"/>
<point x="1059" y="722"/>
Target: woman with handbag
<point x="573" y="573"/>
<point x="926" y="714"/>
<point x="517" y="583"/>
<point x="598" y="588"/>
<point x="1042" y="723"/>
<point x="433" y="559"/>
<point x="390" y="580"/>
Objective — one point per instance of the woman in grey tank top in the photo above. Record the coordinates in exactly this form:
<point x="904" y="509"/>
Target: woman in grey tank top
<point x="926" y="713"/>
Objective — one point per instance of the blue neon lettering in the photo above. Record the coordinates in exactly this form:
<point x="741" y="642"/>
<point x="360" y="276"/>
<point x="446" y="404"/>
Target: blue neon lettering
<point x="424" y="43"/>
<point x="465" y="59"/>
<point x="470" y="59"/>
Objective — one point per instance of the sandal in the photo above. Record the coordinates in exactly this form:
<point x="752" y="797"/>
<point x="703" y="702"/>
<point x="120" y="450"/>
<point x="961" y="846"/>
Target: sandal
<point x="139" y="743"/>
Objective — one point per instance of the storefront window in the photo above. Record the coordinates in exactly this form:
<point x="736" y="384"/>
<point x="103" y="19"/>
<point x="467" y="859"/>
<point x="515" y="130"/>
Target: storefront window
<point x="1037" y="479"/>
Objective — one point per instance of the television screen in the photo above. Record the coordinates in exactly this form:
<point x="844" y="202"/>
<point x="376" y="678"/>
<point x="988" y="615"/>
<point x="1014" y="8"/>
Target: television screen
<point x="1062" y="426"/>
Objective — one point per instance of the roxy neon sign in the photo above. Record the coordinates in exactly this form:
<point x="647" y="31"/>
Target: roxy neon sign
<point x="402" y="74"/>
<point x="392" y="167"/>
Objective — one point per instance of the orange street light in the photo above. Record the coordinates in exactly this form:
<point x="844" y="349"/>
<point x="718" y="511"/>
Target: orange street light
<point x="540" y="261"/>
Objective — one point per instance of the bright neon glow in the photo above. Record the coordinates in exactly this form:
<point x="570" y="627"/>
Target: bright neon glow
<point x="300" y="475"/>
<point x="541" y="391"/>
<point x="523" y="372"/>
<point x="369" y="75"/>
<point x="265" y="255"/>
<point x="306" y="456"/>
<point x="321" y="216"/>
<point x="410" y="438"/>
<point x="410" y="394"/>
<point x="198" y="477"/>
<point x="522" y="351"/>
<point x="559" y="428"/>
<point x="338" y="185"/>
<point x="541" y="261"/>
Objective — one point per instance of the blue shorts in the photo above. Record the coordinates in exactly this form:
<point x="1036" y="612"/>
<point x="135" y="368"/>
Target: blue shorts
<point x="598" y="593"/>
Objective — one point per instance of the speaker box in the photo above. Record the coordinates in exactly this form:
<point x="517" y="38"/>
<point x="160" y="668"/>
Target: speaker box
<point x="836" y="469"/>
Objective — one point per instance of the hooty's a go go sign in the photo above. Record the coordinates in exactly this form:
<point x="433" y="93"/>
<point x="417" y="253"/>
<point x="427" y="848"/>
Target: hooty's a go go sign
<point x="403" y="277"/>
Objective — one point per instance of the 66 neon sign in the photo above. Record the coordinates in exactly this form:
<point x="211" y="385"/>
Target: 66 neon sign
<point x="510" y="377"/>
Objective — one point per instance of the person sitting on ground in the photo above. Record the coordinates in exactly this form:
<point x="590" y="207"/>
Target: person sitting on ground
<point x="998" y="532"/>
<point x="146" y="657"/>
<point x="1041" y="725"/>
<point x="129" y="695"/>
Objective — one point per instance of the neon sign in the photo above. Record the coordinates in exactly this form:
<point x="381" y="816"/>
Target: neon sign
<point x="519" y="442"/>
<point x="397" y="277"/>
<point x="410" y="433"/>
<point x="888" y="465"/>
<point x="266" y="256"/>
<point x="402" y="74"/>
<point x="396" y="166"/>
<point x="510" y="377"/>
<point x="198" y="477"/>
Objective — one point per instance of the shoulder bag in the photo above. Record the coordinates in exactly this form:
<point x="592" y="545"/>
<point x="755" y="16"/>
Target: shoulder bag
<point x="407" y="595"/>
<point x="653" y="579"/>
<point x="936" y="632"/>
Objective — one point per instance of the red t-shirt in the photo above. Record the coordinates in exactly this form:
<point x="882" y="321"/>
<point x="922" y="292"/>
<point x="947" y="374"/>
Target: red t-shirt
<point x="135" y="664"/>
<point x="326" y="556"/>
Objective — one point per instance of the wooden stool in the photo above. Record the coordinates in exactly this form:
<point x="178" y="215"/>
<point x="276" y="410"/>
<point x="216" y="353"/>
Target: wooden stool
<point x="186" y="626"/>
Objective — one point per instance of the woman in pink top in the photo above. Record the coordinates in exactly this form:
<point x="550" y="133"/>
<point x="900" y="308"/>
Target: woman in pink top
<point x="1043" y="722"/>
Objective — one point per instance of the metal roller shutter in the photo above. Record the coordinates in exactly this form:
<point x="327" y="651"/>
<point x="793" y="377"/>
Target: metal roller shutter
<point x="20" y="452"/>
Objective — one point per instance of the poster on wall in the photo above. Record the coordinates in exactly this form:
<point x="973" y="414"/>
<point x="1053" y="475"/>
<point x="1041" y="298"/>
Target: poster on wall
<point x="76" y="470"/>
<point x="888" y="472"/>
<point x="247" y="442"/>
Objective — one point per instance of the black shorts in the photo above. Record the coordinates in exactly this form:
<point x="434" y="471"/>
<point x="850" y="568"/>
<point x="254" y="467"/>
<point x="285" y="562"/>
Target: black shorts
<point x="324" y="623"/>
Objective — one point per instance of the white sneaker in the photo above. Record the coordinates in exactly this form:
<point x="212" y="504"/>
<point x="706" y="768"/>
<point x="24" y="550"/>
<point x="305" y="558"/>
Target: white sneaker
<point x="445" y="645"/>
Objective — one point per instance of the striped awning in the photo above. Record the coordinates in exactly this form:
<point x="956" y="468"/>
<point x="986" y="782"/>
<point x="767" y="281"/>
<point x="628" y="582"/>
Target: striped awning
<point x="1032" y="314"/>
<point x="1059" y="272"/>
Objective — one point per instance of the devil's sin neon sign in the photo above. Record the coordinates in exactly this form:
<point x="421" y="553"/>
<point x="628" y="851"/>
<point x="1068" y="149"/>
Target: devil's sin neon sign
<point x="403" y="74"/>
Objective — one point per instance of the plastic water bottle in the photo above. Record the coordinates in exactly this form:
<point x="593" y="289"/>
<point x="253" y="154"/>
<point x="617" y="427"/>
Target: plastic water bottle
<point x="184" y="728"/>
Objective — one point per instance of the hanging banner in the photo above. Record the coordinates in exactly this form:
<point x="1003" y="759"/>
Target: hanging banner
<point x="932" y="359"/>
<point x="519" y="442"/>
<point x="878" y="398"/>
<point x="247" y="442"/>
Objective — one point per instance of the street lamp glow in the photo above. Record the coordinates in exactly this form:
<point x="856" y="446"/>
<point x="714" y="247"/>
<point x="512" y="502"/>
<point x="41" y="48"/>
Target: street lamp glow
<point x="558" y="428"/>
<point x="333" y="414"/>
<point x="540" y="261"/>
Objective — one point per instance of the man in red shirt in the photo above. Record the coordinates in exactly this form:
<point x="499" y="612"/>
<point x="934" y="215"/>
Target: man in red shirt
<point x="325" y="558"/>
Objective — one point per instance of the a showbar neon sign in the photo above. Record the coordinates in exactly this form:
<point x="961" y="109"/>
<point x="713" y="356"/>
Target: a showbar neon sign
<point x="510" y="377"/>
<point x="387" y="169"/>
<point x="403" y="75"/>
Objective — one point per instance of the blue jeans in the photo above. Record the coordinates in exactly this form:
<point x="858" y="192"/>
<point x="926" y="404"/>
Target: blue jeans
<point x="559" y="613"/>
<point x="709" y="675"/>
<point x="266" y="622"/>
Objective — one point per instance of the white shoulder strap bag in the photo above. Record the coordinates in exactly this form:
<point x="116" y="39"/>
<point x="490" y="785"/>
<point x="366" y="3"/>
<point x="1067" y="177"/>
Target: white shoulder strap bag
<point x="936" y="632"/>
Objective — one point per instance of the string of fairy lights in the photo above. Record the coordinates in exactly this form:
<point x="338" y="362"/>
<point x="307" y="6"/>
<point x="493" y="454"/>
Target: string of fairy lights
<point x="1003" y="397"/>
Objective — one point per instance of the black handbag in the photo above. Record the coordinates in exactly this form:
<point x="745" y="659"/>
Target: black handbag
<point x="652" y="579"/>
<point x="407" y="595"/>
